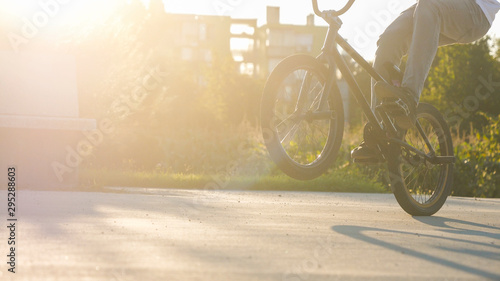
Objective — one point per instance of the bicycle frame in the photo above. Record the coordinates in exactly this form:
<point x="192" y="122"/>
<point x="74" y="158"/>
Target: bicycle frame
<point x="332" y="57"/>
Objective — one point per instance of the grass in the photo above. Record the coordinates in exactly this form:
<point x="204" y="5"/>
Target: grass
<point x="332" y="182"/>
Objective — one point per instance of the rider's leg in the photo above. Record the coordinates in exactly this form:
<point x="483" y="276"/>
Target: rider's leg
<point x="392" y="45"/>
<point x="421" y="29"/>
<point x="439" y="22"/>
<point x="435" y="22"/>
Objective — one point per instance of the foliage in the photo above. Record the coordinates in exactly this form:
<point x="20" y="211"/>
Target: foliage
<point x="463" y="83"/>
<point x="355" y="116"/>
<point x="229" y="97"/>
<point x="190" y="120"/>
<point x="477" y="171"/>
<point x="202" y="117"/>
<point x="338" y="182"/>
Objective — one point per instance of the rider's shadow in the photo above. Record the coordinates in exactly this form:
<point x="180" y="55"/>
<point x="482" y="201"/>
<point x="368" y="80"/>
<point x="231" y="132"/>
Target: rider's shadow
<point x="452" y="226"/>
<point x="446" y="225"/>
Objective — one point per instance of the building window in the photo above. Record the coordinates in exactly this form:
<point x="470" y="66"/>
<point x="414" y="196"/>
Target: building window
<point x="203" y="32"/>
<point x="187" y="54"/>
<point x="275" y="38"/>
<point x="190" y="32"/>
<point x="304" y="42"/>
<point x="289" y="38"/>
<point x="206" y="55"/>
<point x="281" y="38"/>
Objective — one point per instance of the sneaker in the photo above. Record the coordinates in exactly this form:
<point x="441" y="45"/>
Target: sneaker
<point x="406" y="116"/>
<point x="364" y="153"/>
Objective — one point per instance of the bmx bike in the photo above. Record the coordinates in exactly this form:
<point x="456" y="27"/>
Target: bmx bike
<point x="302" y="120"/>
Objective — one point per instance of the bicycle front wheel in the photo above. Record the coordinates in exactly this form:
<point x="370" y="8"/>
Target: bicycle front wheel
<point x="302" y="130"/>
<point x="420" y="187"/>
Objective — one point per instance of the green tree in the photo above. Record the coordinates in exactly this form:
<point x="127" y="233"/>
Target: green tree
<point x="461" y="83"/>
<point x="184" y="122"/>
<point x="230" y="97"/>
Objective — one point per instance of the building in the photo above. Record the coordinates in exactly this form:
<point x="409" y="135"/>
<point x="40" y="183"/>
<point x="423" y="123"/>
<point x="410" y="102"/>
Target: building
<point x="256" y="50"/>
<point x="243" y="45"/>
<point x="196" y="39"/>
<point x="275" y="41"/>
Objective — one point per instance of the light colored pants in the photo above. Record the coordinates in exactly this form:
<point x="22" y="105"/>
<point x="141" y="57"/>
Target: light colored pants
<point x="420" y="30"/>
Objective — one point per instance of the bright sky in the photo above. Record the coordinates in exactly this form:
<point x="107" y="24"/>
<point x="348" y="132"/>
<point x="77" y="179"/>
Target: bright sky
<point x="362" y="24"/>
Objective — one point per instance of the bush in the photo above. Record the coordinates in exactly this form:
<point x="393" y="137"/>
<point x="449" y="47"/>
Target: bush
<point x="477" y="171"/>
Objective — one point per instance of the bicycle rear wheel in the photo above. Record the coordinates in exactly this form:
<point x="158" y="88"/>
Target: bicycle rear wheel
<point x="302" y="134"/>
<point x="421" y="188"/>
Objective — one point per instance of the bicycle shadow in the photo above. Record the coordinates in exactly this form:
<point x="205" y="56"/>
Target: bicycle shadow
<point x="446" y="225"/>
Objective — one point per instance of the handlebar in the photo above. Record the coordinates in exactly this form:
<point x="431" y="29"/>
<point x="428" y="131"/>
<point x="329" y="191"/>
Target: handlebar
<point x="319" y="13"/>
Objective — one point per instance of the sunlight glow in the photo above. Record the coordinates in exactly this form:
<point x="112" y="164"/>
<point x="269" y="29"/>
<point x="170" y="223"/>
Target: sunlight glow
<point x="56" y="11"/>
<point x="362" y="26"/>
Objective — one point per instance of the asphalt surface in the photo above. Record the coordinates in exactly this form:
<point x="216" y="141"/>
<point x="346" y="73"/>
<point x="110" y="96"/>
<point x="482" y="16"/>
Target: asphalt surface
<point x="148" y="234"/>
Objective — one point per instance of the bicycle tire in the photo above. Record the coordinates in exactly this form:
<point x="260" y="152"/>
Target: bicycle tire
<point x="414" y="193"/>
<point x="276" y="105"/>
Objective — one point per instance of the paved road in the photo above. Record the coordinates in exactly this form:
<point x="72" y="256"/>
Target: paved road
<point x="151" y="234"/>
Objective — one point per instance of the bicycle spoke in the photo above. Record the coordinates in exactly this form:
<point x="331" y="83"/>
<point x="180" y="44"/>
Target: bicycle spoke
<point x="421" y="189"/>
<point x="425" y="139"/>
<point x="283" y="121"/>
<point x="414" y="178"/>
<point x="318" y="97"/>
<point x="293" y="129"/>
